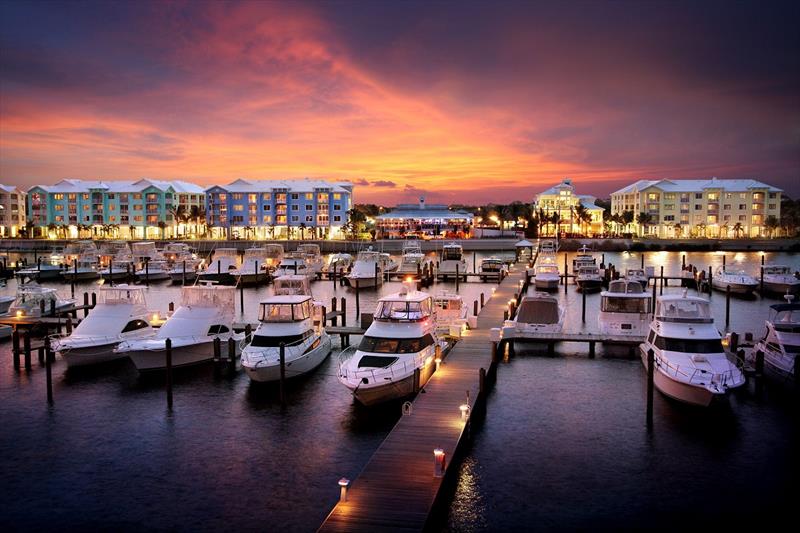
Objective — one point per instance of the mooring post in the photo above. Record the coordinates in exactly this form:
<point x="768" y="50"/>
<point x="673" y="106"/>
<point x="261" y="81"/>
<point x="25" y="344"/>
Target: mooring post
<point x="761" y="279"/>
<point x="231" y="355"/>
<point x="241" y="295"/>
<point x="85" y="304"/>
<point x="147" y="271"/>
<point x="217" y="355"/>
<point x="482" y="301"/>
<point x="734" y="342"/>
<point x="48" y="363"/>
<point x="111" y="273"/>
<point x="358" y="303"/>
<point x="654" y="298"/>
<point x="505" y="314"/>
<point x="457" y="276"/>
<point x="94" y="300"/>
<point x="219" y="269"/>
<point x="661" y="291"/>
<point x="475" y="307"/>
<point x="565" y="269"/>
<point x="474" y="262"/>
<point x="651" y="363"/>
<point x="74" y="275"/>
<point x="723" y="261"/>
<point x="168" y="345"/>
<point x="710" y="279"/>
<point x="591" y="349"/>
<point x="333" y="311"/>
<point x="248" y="329"/>
<point x="481" y="381"/>
<point x="583" y="306"/>
<point x="282" y="354"/>
<point x="759" y="364"/>
<point x="69" y="325"/>
<point x="26" y="346"/>
<point x="183" y="275"/>
<point x="15" y="348"/>
<point x="642" y="260"/>
<point x="494" y="352"/>
<point x="376" y="274"/>
<point x="727" y="306"/>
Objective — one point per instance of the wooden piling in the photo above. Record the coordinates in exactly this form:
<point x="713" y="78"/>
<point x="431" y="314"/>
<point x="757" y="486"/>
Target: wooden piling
<point x="26" y="347"/>
<point x="457" y="276"/>
<point x="683" y="261"/>
<point x="241" y="294"/>
<point x="85" y="304"/>
<point x="494" y="352"/>
<point x="15" y="351"/>
<point x="723" y="261"/>
<point x="231" y="355"/>
<point x="48" y="363"/>
<point x="69" y="325"/>
<point x="642" y="260"/>
<point x="591" y="349"/>
<point x="475" y="308"/>
<point x="651" y="363"/>
<point x="168" y="346"/>
<point x="759" y="364"/>
<point x="111" y="273"/>
<point x="183" y="275"/>
<point x="333" y="311"/>
<point x="147" y="271"/>
<point x="358" y="304"/>
<point x="376" y="277"/>
<point x="661" y="291"/>
<point x="217" y="355"/>
<point x="481" y="381"/>
<point x="654" y="299"/>
<point x="94" y="300"/>
<point x="727" y="306"/>
<point x="710" y="280"/>
<point x="482" y="302"/>
<point x="734" y="342"/>
<point x="761" y="279"/>
<point x="248" y="329"/>
<point x="74" y="276"/>
<point x="282" y="354"/>
<point x="583" y="306"/>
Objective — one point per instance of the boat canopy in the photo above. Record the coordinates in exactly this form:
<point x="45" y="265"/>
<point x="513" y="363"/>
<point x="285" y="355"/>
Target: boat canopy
<point x="309" y="249"/>
<point x="452" y="252"/>
<point x="121" y="294"/>
<point x="285" y="309"/>
<point x="547" y="269"/>
<point x="538" y="310"/>
<point x="777" y="269"/>
<point x="221" y="297"/>
<point x="687" y="309"/>
<point x="622" y="286"/>
<point x="404" y="310"/>
<point x="292" y="284"/>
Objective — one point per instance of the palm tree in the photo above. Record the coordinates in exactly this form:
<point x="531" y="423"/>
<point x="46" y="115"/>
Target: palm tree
<point x="677" y="230"/>
<point x="162" y="226"/>
<point x="771" y="224"/>
<point x="701" y="229"/>
<point x="738" y="229"/>
<point x="555" y="219"/>
<point x="643" y="219"/>
<point x="303" y="230"/>
<point x="580" y="214"/>
<point x="627" y="219"/>
<point x="178" y="213"/>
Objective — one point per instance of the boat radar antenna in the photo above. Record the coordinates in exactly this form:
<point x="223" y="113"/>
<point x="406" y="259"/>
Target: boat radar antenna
<point x="207" y="282"/>
<point x="788" y="297"/>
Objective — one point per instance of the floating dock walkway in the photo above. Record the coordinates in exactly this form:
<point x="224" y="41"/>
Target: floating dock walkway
<point x="397" y="489"/>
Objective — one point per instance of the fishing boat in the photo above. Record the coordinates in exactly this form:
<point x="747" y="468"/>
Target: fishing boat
<point x="274" y="254"/>
<point x="32" y="298"/>
<point x="396" y="355"/>
<point x="295" y="322"/>
<point x="5" y="304"/>
<point x="220" y="268"/>
<point x="144" y="251"/>
<point x="388" y="264"/>
<point x="412" y="258"/>
<point x="637" y="275"/>
<point x="253" y="269"/>
<point x="453" y="262"/>
<point x="120" y="267"/>
<point x="451" y="313"/>
<point x="493" y="268"/>
<point x="314" y="260"/>
<point x="548" y="247"/>
<point x="367" y="271"/>
<point x="779" y="279"/>
<point x="537" y="313"/>
<point x="120" y="314"/>
<point x="625" y="309"/>
<point x="781" y="343"/>
<point x="83" y="268"/>
<point x="154" y="270"/>
<point x="739" y="282"/>
<point x="583" y="257"/>
<point x="339" y="263"/>
<point x="42" y="271"/>
<point x="690" y="363"/>
<point x="588" y="278"/>
<point x="184" y="270"/>
<point x="206" y="313"/>
<point x="546" y="276"/>
<point x="175" y="252"/>
<point x="291" y="284"/>
<point x="294" y="265"/>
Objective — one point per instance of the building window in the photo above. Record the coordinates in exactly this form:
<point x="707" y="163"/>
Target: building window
<point x="652" y="196"/>
<point x="136" y="196"/>
<point x="267" y="219"/>
<point x="669" y="207"/>
<point x="742" y="218"/>
<point x="309" y="196"/>
<point x="309" y="207"/>
<point x="295" y="196"/>
<point x="743" y="195"/>
<point x="266" y="196"/>
<point x="337" y="196"/>
<point x="152" y="197"/>
<point x="728" y="195"/>
<point x="238" y="207"/>
<point x="772" y="206"/>
<point x="742" y="207"/>
<point x="222" y="197"/>
<point x="309" y="218"/>
<point x="111" y="196"/>
<point x="267" y="207"/>
<point x="58" y="207"/>
<point x="698" y="207"/>
<point x="726" y="218"/>
<point x="337" y="218"/>
<point x="237" y="196"/>
<point x="726" y="207"/>
<point x="773" y="195"/>
<point x="295" y="218"/>
<point x="123" y="197"/>
<point x="698" y="196"/>
<point x="322" y="197"/>
<point x="252" y="198"/>
<point x="58" y="196"/>
<point x="713" y="197"/>
<point x="295" y="207"/>
<point x="685" y="197"/>
<point x="712" y="219"/>
<point x="72" y="197"/>
<point x="337" y="207"/>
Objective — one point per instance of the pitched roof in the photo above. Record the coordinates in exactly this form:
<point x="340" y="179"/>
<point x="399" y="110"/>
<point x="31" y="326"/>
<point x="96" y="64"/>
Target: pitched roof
<point x="305" y="185"/>
<point x="669" y="185"/>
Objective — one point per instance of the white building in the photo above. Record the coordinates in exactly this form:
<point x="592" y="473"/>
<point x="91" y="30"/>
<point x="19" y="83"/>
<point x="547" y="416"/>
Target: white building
<point x="719" y="208"/>
<point x="561" y="200"/>
<point x="12" y="211"/>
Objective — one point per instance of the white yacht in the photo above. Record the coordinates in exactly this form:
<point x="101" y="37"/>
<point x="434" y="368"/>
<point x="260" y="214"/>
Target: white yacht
<point x="537" y="313"/>
<point x="638" y="275"/>
<point x="340" y="262"/>
<point x="219" y="268"/>
<point x="296" y="321"/>
<point x="625" y="309"/>
<point x="43" y="271"/>
<point x="451" y="312"/>
<point x="739" y="282"/>
<point x="492" y="268"/>
<point x="452" y="261"/>
<point x="292" y="265"/>
<point x="119" y="267"/>
<point x="313" y="257"/>
<point x="274" y="253"/>
<point x="154" y="270"/>
<point x="83" y="268"/>
<point x="388" y="264"/>
<point x="30" y="296"/>
<point x="191" y="266"/>
<point x="396" y="355"/>
<point x="781" y="343"/>
<point x="120" y="314"/>
<point x="412" y="258"/>
<point x="176" y="251"/>
<point x="367" y="271"/>
<point x="546" y="276"/>
<point x="588" y="278"/>
<point x="253" y="269"/>
<point x="548" y="247"/>
<point x="691" y="364"/>
<point x="583" y="257"/>
<point x="779" y="279"/>
<point x="206" y="312"/>
<point x="75" y="249"/>
<point x="144" y="251"/>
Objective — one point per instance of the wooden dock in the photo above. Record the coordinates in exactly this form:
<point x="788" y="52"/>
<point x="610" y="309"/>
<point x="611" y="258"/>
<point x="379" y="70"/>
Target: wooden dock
<point x="396" y="490"/>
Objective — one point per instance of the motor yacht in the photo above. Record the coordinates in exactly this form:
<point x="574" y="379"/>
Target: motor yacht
<point x="412" y="258"/>
<point x="388" y="264"/>
<point x="274" y="254"/>
<point x="339" y="263"/>
<point x="583" y="257"/>
<point x="83" y="268"/>
<point x="546" y="276"/>
<point x="42" y="271"/>
<point x="175" y="252"/>
<point x="493" y="268"/>
<point x="690" y="363"/>
<point x="781" y="342"/>
<point x="588" y="278"/>
<point x="451" y="313"/>
<point x="253" y="269"/>
<point x="206" y="312"/>
<point x="291" y="284"/>
<point x="548" y="247"/>
<point x="185" y="270"/>
<point x="396" y="355"/>
<point x="219" y="269"/>
<point x="144" y="251"/>
<point x="779" y="279"/>
<point x="367" y="271"/>
<point x="32" y="297"/>
<point x="295" y="265"/>
<point x="294" y="321"/>
<point x="314" y="260"/>
<point x="638" y="275"/>
<point x="120" y="267"/>
<point x="154" y="270"/>
<point x="120" y="314"/>
<point x="625" y="309"/>
<point x="739" y="282"/>
<point x="452" y="262"/>
<point x="537" y="313"/>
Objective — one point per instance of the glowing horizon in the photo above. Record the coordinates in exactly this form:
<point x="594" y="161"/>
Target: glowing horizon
<point x="462" y="103"/>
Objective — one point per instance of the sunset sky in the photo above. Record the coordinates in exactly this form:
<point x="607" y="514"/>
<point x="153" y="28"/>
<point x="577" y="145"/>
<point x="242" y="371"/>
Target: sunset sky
<point x="460" y="101"/>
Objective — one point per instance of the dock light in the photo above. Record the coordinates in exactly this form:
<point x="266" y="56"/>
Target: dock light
<point x="438" y="361"/>
<point x="464" y="412"/>
<point x="438" y="462"/>
<point x="20" y="314"/>
<point x="494" y="289"/>
<point x="343" y="483"/>
<point x="155" y="317"/>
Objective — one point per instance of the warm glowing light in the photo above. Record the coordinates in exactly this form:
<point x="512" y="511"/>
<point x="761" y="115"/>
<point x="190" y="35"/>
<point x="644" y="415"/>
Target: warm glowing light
<point x="155" y="316"/>
<point x="19" y="314"/>
<point x="464" y="412"/>
<point x="438" y="462"/>
<point x="343" y="483"/>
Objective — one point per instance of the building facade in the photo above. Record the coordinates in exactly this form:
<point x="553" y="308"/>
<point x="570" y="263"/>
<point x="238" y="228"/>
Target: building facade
<point x="12" y="211"/>
<point x="423" y="220"/>
<point x="717" y="208"/>
<point x="278" y="209"/>
<point x="142" y="209"/>
<point x="565" y="213"/>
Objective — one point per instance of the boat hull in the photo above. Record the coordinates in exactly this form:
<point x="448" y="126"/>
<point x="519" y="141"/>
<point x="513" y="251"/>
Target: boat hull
<point x="682" y="392"/>
<point x="294" y="368"/>
<point x="778" y="288"/>
<point x="115" y="275"/>
<point x="545" y="284"/>
<point x="394" y="390"/>
<point x="91" y="355"/>
<point x="40" y="275"/>
<point x="179" y="277"/>
<point x="223" y="278"/>
<point x="589" y="285"/>
<point x="81" y="276"/>
<point x="364" y="283"/>
<point x="150" y="360"/>
<point x="736" y="288"/>
<point x="253" y="279"/>
<point x="153" y="276"/>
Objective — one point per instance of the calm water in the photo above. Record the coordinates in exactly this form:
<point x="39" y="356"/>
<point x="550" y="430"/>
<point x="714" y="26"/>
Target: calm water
<point x="564" y="444"/>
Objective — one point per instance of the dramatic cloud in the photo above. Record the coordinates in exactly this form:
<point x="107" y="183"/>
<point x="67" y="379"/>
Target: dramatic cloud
<point x="464" y="103"/>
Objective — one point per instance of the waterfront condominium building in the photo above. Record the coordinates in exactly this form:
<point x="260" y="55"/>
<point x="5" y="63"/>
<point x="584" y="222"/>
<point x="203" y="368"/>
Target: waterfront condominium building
<point x="141" y="209"/>
<point x="12" y="211"/>
<point x="278" y="209"/>
<point x="719" y="208"/>
<point x="566" y="213"/>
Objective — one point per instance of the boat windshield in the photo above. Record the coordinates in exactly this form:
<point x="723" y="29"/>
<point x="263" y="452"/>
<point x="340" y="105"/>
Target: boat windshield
<point x="449" y="303"/>
<point x="788" y="316"/>
<point x="285" y="312"/>
<point x="121" y="296"/>
<point x="387" y="345"/>
<point x="403" y="310"/>
<point x="775" y="269"/>
<point x="547" y="269"/>
<point x="615" y="304"/>
<point x="684" y="311"/>
<point x="452" y="253"/>
<point x="689" y="345"/>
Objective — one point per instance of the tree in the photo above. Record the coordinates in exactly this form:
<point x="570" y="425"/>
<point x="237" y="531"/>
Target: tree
<point x="303" y="227"/>
<point x="162" y="226"/>
<point x="677" y="230"/>
<point x="738" y="229"/>
<point x="643" y="220"/>
<point x="772" y="223"/>
<point x="581" y="214"/>
<point x="627" y="219"/>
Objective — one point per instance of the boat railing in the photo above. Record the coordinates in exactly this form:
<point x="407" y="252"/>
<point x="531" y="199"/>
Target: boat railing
<point x="291" y="350"/>
<point x="391" y="372"/>
<point x="695" y="375"/>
